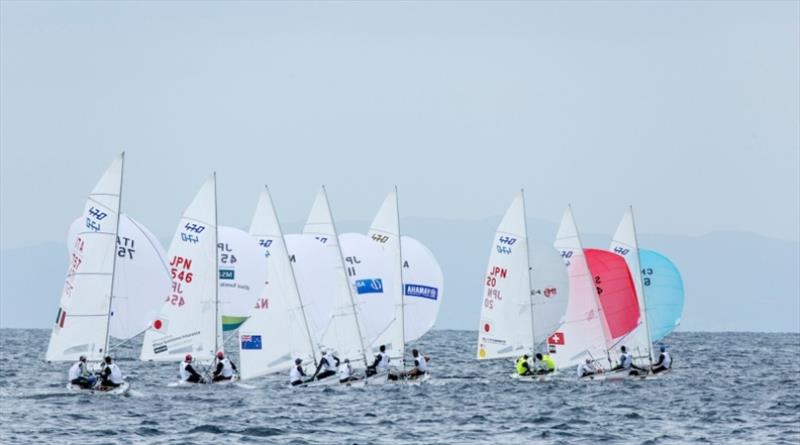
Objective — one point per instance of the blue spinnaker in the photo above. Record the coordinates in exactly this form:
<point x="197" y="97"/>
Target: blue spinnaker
<point x="663" y="288"/>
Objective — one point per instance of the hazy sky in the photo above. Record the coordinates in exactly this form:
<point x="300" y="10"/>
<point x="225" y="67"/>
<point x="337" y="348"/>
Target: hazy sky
<point x="690" y="111"/>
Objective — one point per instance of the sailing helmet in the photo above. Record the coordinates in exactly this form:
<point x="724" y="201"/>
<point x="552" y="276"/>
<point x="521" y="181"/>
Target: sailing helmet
<point x="188" y="357"/>
<point x="663" y="348"/>
<point x="220" y="355"/>
<point x="623" y="349"/>
<point x="108" y="359"/>
<point x="297" y="361"/>
<point x="82" y="358"/>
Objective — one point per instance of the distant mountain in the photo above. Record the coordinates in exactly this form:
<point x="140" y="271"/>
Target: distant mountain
<point x="734" y="281"/>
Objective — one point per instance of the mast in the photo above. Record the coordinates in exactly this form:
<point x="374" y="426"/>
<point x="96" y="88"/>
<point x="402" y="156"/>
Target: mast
<point x="641" y="286"/>
<point x="346" y="278"/>
<point x="217" y="321"/>
<point x="294" y="280"/>
<point x="528" y="268"/>
<point x="114" y="259"/>
<point x="402" y="286"/>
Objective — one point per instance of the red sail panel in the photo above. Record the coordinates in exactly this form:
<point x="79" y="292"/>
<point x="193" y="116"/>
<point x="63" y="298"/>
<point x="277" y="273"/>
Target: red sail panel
<point x="615" y="289"/>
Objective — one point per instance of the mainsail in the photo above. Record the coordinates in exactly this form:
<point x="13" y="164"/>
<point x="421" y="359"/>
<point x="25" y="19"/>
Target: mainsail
<point x="241" y="275"/>
<point x="189" y="320"/>
<point x="277" y="331"/>
<point x="343" y="333"/>
<point x="141" y="277"/>
<point x="525" y="296"/>
<point x="82" y="322"/>
<point x="584" y="333"/>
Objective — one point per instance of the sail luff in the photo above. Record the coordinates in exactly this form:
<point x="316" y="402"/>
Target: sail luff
<point x="528" y="268"/>
<point x="114" y="259"/>
<point x="402" y="286"/>
<point x="638" y="277"/>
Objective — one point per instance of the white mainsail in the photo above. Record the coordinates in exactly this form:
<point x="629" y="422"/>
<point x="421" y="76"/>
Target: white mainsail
<point x="141" y="277"/>
<point x="625" y="244"/>
<point x="525" y="297"/>
<point x="277" y="331"/>
<point x="584" y="333"/>
<point x="343" y="334"/>
<point x="241" y="275"/>
<point x="423" y="288"/>
<point x="385" y="232"/>
<point x="82" y="322"/>
<point x="189" y="320"/>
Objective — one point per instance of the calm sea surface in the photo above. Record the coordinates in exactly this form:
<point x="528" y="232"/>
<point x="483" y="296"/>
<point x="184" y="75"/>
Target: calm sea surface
<point x="725" y="388"/>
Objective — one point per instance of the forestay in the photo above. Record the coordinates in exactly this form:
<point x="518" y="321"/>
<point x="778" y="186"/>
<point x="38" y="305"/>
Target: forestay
<point x="665" y="293"/>
<point x="189" y="319"/>
<point x="583" y="333"/>
<point x="626" y="245"/>
<point x="277" y="331"/>
<point x="343" y="333"/>
<point x="81" y="324"/>
<point x="241" y="275"/>
<point x="141" y="277"/>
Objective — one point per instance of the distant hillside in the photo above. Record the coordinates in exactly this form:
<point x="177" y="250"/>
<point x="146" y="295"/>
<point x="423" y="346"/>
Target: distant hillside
<point x="734" y="281"/>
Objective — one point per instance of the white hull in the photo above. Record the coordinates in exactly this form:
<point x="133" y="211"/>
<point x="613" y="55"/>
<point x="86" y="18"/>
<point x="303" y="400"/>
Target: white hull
<point x="531" y="378"/>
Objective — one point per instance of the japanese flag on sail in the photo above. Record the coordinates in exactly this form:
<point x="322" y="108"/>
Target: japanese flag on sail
<point x="160" y="325"/>
<point x="556" y="339"/>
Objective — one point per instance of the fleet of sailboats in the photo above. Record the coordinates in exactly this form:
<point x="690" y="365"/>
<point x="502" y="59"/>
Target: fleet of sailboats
<point x="291" y="298"/>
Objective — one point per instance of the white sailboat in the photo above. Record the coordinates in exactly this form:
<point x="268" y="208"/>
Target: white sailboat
<point x="343" y="332"/>
<point x="525" y="296"/>
<point x="189" y="320"/>
<point x="83" y="320"/>
<point x="279" y="314"/>
<point x="584" y="333"/>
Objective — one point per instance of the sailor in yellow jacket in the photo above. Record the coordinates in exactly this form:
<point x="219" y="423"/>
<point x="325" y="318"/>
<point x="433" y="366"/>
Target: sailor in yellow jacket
<point x="546" y="364"/>
<point x="522" y="366"/>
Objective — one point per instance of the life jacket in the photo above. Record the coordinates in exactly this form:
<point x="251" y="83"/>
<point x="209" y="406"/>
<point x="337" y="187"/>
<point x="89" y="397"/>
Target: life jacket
<point x="520" y="365"/>
<point x="330" y="362"/>
<point x="548" y="364"/>
<point x="667" y="362"/>
<point x="626" y="360"/>
<point x="76" y="371"/>
<point x="423" y="364"/>
<point x="116" y="374"/>
<point x="227" y="369"/>
<point x="183" y="372"/>
<point x="345" y="371"/>
<point x="383" y="364"/>
<point x="295" y="375"/>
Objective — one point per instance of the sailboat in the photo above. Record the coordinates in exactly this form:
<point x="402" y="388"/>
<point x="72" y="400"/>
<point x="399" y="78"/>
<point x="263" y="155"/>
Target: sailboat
<point x="83" y="321"/>
<point x="344" y="332"/>
<point x="141" y="277"/>
<point x="419" y="288"/>
<point x="279" y="313"/>
<point x="584" y="333"/>
<point x="520" y="311"/>
<point x="189" y="321"/>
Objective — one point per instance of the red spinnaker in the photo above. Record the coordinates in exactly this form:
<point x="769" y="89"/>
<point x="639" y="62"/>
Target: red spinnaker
<point x="615" y="289"/>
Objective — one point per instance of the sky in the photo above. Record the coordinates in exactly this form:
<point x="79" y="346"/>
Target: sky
<point x="689" y="111"/>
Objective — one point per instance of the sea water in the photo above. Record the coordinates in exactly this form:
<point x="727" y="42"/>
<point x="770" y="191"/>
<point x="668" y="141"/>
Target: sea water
<point x="724" y="388"/>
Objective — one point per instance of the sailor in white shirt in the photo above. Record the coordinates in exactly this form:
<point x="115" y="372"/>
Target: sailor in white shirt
<point x="588" y="369"/>
<point x="346" y="372"/>
<point x="296" y="374"/>
<point x="664" y="361"/>
<point x="420" y="365"/>
<point x="381" y="363"/>
<point x="110" y="376"/>
<point x="80" y="376"/>
<point x="330" y="362"/>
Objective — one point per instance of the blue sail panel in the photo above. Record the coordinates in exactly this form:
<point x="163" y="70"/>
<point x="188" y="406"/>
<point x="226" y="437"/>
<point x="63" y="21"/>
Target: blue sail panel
<point x="663" y="288"/>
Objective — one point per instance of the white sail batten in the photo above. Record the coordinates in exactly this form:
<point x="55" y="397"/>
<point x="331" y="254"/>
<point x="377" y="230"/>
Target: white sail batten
<point x="626" y="245"/>
<point x="584" y="333"/>
<point x="189" y="319"/>
<point x="81" y="325"/>
<point x="277" y="331"/>
<point x="343" y="334"/>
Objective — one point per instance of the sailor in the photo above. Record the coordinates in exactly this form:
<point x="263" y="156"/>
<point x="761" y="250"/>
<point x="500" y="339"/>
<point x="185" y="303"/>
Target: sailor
<point x="110" y="376"/>
<point x="626" y="363"/>
<point x="546" y="363"/>
<point x="420" y="365"/>
<point x="381" y="363"/>
<point x="588" y="369"/>
<point x="522" y="366"/>
<point x="330" y="362"/>
<point x="224" y="370"/>
<point x="664" y="361"/>
<point x="346" y="372"/>
<point x="187" y="372"/>
<point x="79" y="375"/>
<point x="296" y="374"/>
